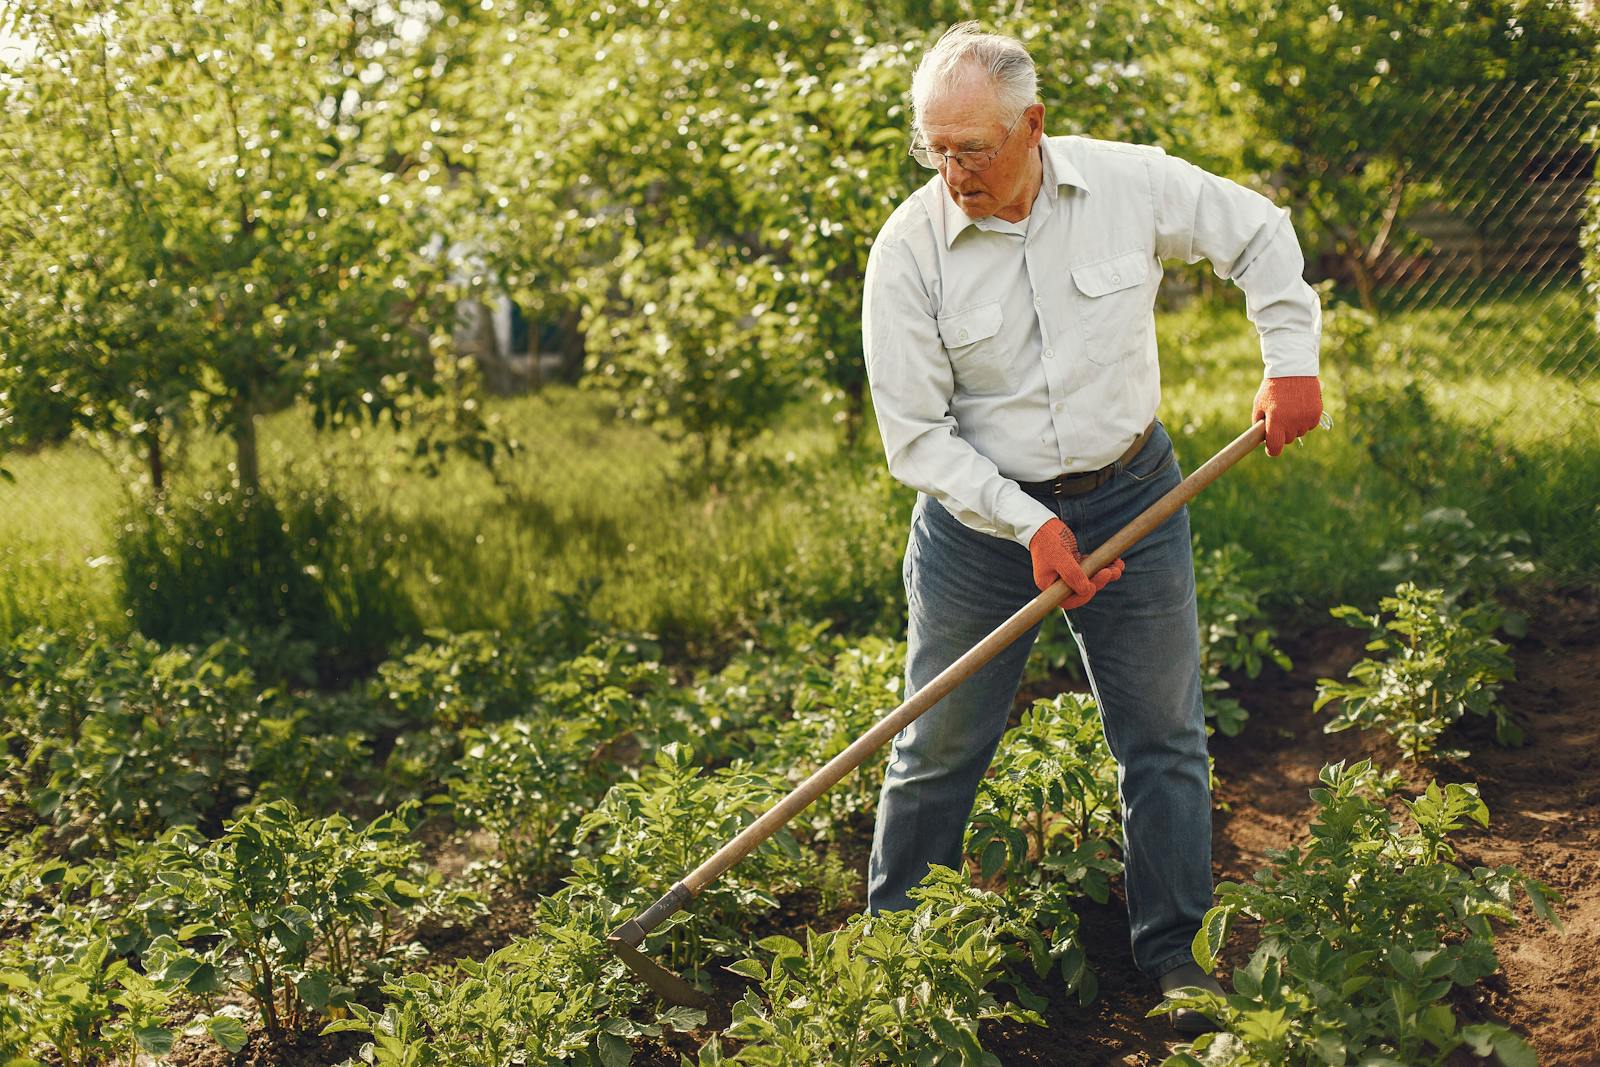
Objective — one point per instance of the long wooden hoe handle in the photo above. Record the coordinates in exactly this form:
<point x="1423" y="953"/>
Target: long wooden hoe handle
<point x="626" y="938"/>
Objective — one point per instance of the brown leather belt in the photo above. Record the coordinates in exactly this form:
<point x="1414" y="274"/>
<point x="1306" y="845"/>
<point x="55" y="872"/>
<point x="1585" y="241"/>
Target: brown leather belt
<point x="1083" y="481"/>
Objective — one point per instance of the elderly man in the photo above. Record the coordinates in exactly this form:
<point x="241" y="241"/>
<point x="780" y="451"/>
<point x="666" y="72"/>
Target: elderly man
<point x="1010" y="346"/>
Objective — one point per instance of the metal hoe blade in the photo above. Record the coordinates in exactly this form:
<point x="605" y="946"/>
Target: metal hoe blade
<point x="672" y="989"/>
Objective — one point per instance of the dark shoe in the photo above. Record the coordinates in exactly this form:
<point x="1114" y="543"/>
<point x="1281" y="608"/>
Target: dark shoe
<point x="1187" y="1021"/>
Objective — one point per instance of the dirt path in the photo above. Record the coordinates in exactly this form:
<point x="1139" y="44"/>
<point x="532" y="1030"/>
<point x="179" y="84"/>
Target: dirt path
<point x="1544" y="801"/>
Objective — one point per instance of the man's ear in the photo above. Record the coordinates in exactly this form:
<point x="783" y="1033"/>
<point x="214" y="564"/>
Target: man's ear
<point x="1035" y="115"/>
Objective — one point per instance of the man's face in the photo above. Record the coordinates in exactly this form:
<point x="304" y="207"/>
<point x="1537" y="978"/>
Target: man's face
<point x="967" y="117"/>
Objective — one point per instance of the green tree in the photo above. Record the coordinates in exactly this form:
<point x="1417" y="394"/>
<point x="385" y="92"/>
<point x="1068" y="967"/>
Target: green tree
<point x="1332" y="98"/>
<point x="225" y="206"/>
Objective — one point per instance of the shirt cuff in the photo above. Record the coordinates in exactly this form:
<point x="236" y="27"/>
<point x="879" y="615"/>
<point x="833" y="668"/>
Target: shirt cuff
<point x="1291" y="355"/>
<point x="1025" y="515"/>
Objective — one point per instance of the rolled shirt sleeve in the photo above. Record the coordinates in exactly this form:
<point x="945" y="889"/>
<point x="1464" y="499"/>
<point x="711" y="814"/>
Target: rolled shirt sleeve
<point x="1249" y="241"/>
<point x="912" y="384"/>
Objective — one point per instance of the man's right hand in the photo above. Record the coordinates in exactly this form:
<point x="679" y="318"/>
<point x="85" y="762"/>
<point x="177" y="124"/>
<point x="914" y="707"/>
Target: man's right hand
<point x="1055" y="555"/>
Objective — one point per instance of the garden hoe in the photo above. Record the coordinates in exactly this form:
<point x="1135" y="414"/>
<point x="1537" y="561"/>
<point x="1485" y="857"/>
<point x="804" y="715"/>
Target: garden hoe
<point x="626" y="939"/>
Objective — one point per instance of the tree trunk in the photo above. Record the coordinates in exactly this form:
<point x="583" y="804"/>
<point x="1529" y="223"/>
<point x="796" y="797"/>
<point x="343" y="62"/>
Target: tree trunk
<point x="248" y="472"/>
<point x="152" y="443"/>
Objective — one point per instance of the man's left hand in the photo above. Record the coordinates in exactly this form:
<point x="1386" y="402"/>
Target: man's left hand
<point x="1291" y="407"/>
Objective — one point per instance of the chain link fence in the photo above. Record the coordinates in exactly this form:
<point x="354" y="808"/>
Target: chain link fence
<point x="1485" y="321"/>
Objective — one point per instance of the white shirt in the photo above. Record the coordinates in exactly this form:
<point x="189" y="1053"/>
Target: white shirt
<point x="1000" y="352"/>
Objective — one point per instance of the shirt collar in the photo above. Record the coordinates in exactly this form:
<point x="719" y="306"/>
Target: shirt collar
<point x="1058" y="171"/>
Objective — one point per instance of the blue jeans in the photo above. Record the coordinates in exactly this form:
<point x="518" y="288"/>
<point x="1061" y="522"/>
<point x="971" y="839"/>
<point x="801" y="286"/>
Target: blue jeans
<point x="1140" y="643"/>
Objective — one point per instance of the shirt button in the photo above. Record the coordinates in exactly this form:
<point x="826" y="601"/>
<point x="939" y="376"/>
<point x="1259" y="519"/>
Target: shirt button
<point x="963" y="335"/>
<point x="1037" y="302"/>
<point x="1059" y="405"/>
<point x="1049" y="353"/>
<point x="1115" y="278"/>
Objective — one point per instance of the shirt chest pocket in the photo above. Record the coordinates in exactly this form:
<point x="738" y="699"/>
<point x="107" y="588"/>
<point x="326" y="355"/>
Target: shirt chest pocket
<point x="972" y="339"/>
<point x="1116" y="308"/>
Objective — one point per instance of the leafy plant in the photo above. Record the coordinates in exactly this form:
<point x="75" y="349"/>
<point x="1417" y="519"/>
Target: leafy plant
<point x="295" y="913"/>
<point x="74" y="981"/>
<point x="668" y="822"/>
<point x="1443" y="548"/>
<point x="133" y="737"/>
<point x="832" y="706"/>
<point x="899" y="987"/>
<point x="1364" y="932"/>
<point x="1234" y="631"/>
<point x="1442" y="663"/>
<point x="529" y="782"/>
<point x="1044" y="824"/>
<point x="560" y="990"/>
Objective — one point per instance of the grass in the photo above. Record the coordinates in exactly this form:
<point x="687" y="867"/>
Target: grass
<point x="609" y="512"/>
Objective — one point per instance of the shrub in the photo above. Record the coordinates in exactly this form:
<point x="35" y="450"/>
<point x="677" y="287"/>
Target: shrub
<point x="191" y="566"/>
<point x="1443" y="663"/>
<point x="899" y="987"/>
<point x="1234" y="632"/>
<point x="1364" y="932"/>
<point x="297" y="914"/>
<point x="1044" y="822"/>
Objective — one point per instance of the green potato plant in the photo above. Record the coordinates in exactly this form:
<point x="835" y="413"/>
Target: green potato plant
<point x="1044" y="824"/>
<point x="298" y="914"/>
<point x="648" y="832"/>
<point x="131" y="737"/>
<point x="833" y="706"/>
<point x="78" y="980"/>
<point x="560" y="991"/>
<point x="1443" y="662"/>
<point x="901" y="987"/>
<point x="529" y="782"/>
<point x="1234" y="631"/>
<point x="1364" y="932"/>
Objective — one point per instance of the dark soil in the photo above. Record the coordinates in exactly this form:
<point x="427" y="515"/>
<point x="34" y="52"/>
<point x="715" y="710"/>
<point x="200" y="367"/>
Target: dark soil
<point x="1545" y="804"/>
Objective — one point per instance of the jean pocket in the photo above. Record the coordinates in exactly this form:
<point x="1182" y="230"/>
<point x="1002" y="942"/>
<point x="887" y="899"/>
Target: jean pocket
<point x="1153" y="459"/>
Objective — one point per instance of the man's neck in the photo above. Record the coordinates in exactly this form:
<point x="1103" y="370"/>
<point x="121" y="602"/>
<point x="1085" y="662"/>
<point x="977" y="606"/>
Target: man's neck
<point x="1019" y="212"/>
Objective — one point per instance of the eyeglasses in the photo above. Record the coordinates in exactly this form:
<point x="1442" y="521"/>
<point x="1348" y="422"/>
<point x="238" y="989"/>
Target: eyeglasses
<point x="970" y="161"/>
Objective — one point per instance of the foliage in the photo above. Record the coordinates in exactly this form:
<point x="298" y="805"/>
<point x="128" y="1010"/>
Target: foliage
<point x="194" y="242"/>
<point x="898" y="987"/>
<point x="1045" y="823"/>
<point x="104" y="737"/>
<point x="74" y="981"/>
<point x="1234" y="632"/>
<point x="668" y="822"/>
<point x="192" y="566"/>
<point x="1444" y="549"/>
<point x="1442" y="663"/>
<point x="688" y="341"/>
<point x="132" y="737"/>
<point x="737" y="705"/>
<point x="298" y="914"/>
<point x="1364" y="933"/>
<point x="454" y="696"/>
<point x="1329" y="97"/>
<point x="560" y="990"/>
<point x="832" y="706"/>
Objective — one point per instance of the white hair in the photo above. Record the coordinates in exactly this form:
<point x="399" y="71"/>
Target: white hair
<point x="1006" y="62"/>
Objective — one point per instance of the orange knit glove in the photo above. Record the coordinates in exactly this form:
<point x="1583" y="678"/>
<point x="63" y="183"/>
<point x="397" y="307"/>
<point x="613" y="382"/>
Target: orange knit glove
<point x="1055" y="555"/>
<point x="1291" y="407"/>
